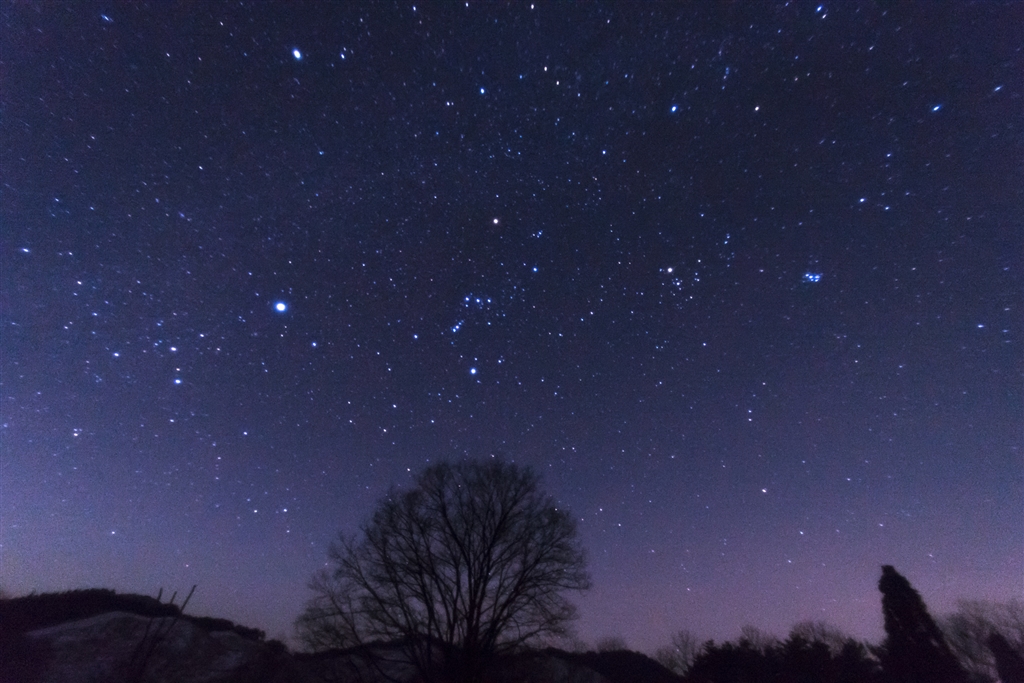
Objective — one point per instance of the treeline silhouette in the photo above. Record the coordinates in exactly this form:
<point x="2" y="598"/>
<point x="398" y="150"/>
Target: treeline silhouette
<point x="915" y="649"/>
<point x="794" y="660"/>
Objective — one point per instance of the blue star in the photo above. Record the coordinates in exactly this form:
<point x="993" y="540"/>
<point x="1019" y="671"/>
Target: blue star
<point x="280" y="306"/>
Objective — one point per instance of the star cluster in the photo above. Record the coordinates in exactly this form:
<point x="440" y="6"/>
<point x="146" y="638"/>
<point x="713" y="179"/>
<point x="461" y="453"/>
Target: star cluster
<point x="742" y="282"/>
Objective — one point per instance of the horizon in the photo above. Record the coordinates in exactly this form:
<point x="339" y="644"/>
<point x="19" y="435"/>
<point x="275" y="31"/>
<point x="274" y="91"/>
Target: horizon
<point x="742" y="284"/>
<point x="282" y="629"/>
<point x="570" y="643"/>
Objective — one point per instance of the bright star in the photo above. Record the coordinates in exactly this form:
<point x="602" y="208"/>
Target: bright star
<point x="297" y="54"/>
<point x="472" y="371"/>
<point x="280" y="307"/>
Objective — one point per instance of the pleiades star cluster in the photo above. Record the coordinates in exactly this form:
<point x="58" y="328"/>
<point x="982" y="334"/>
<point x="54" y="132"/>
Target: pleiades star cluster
<point x="742" y="281"/>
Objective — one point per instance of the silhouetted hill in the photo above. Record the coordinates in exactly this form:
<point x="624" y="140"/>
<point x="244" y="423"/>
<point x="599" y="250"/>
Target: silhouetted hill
<point x="626" y="666"/>
<point x="36" y="611"/>
<point x="99" y="635"/>
<point x="127" y="648"/>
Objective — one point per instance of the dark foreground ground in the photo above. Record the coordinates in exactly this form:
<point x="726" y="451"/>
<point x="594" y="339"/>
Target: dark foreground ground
<point x="95" y="636"/>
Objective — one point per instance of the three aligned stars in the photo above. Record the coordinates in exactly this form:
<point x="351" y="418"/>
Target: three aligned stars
<point x="282" y="307"/>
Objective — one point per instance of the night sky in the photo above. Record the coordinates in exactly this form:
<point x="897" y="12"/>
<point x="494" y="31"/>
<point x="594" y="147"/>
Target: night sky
<point x="742" y="281"/>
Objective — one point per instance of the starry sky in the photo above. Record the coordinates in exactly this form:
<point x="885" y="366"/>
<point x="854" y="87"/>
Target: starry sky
<point x="741" y="281"/>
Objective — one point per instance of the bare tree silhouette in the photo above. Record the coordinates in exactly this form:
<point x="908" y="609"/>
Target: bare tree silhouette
<point x="679" y="655"/>
<point x="469" y="564"/>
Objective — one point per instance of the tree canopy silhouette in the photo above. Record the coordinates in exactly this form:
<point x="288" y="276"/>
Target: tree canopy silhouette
<point x="470" y="563"/>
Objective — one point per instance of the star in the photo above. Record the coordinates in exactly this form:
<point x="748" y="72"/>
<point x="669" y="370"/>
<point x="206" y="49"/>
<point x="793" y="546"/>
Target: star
<point x="280" y="306"/>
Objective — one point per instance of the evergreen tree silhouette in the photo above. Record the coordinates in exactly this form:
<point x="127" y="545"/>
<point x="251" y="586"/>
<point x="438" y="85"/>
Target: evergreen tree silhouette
<point x="914" y="650"/>
<point x="1009" y="662"/>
